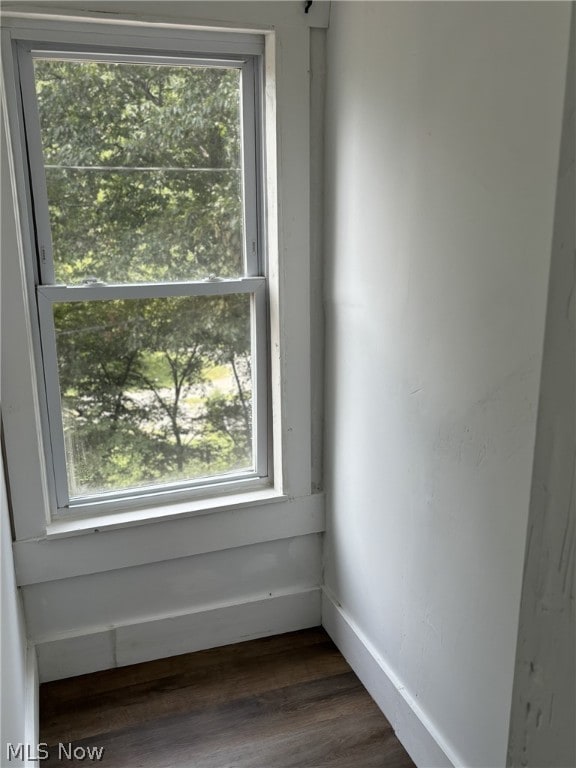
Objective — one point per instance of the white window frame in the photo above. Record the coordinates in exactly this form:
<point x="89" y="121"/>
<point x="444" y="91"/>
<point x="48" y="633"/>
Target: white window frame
<point x="288" y="504"/>
<point x="245" y="52"/>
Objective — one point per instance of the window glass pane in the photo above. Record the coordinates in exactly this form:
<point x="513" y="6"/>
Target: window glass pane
<point x="154" y="391"/>
<point x="144" y="170"/>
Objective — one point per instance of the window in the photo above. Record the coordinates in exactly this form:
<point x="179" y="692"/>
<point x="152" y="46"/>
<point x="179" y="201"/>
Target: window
<point x="145" y="171"/>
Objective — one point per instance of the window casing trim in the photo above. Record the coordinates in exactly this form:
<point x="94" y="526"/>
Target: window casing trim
<point x="286" y="94"/>
<point x="126" y="516"/>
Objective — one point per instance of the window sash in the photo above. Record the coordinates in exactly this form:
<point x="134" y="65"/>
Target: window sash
<point x="47" y="293"/>
<point x="48" y="296"/>
<point x="252" y="242"/>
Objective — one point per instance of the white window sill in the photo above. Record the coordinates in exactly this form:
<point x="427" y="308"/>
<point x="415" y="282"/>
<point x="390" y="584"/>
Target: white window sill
<point x="193" y="507"/>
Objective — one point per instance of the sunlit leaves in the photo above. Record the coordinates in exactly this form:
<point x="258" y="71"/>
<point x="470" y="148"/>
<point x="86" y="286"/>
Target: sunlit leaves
<point x="140" y="370"/>
<point x="143" y="169"/>
<point x="144" y="178"/>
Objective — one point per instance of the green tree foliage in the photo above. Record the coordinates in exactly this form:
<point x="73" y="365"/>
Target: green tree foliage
<point x="143" y="168"/>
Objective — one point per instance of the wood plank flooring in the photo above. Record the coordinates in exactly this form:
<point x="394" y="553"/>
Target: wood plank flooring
<point x="289" y="701"/>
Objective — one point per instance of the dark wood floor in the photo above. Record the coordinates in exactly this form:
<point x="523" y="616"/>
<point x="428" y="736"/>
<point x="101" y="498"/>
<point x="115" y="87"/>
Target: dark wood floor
<point x="289" y="701"/>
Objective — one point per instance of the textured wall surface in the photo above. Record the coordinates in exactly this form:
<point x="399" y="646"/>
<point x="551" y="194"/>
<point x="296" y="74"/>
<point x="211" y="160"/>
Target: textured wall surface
<point x="443" y="133"/>
<point x="12" y="628"/>
<point x="12" y="643"/>
<point x="542" y="731"/>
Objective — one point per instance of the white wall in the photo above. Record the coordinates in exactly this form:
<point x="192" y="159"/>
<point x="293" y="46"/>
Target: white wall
<point x="102" y="597"/>
<point x="443" y="137"/>
<point x="542" y="730"/>
<point x="13" y="644"/>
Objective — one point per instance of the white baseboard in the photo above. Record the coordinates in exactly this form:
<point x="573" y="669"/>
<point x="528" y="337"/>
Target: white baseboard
<point x="210" y="627"/>
<point x="413" y="727"/>
<point x="215" y="626"/>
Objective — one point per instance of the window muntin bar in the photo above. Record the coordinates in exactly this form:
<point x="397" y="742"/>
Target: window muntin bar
<point x="97" y="291"/>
